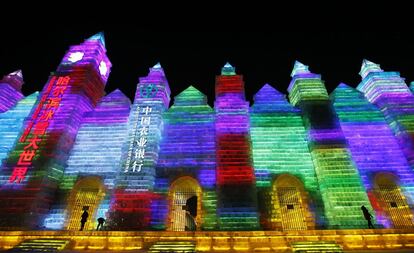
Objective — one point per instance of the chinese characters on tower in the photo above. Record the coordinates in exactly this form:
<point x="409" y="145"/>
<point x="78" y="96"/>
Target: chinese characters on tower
<point x="138" y="144"/>
<point x="38" y="125"/>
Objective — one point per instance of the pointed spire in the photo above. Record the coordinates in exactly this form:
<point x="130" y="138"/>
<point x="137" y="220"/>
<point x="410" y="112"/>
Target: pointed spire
<point x="268" y="92"/>
<point x="190" y="96"/>
<point x="343" y="86"/>
<point x="116" y="95"/>
<point x="14" y="79"/>
<point x="228" y="65"/>
<point x="157" y="66"/>
<point x="342" y="91"/>
<point x="191" y="90"/>
<point x="269" y="100"/>
<point x="17" y="73"/>
<point x="270" y="89"/>
<point x="368" y="67"/>
<point x="228" y="70"/>
<point x="99" y="37"/>
<point x="299" y="68"/>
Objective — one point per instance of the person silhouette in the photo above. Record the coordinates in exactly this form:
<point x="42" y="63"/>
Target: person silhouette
<point x="84" y="219"/>
<point x="100" y="223"/>
<point x="367" y="216"/>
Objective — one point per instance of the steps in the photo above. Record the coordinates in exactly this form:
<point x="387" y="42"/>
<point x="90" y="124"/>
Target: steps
<point x="316" y="247"/>
<point x="41" y="245"/>
<point x="176" y="247"/>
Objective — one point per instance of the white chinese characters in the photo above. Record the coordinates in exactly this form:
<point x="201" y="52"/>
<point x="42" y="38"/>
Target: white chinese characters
<point x="139" y="142"/>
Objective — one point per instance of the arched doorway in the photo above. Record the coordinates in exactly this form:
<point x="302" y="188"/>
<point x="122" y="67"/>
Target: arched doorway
<point x="392" y="201"/>
<point x="290" y="210"/>
<point x="87" y="194"/>
<point x="184" y="205"/>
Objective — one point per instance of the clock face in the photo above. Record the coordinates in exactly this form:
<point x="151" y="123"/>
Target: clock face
<point x="76" y="56"/>
<point x="148" y="90"/>
<point x="102" y="68"/>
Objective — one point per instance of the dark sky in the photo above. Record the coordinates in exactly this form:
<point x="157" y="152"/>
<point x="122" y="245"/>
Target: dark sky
<point x="193" y="50"/>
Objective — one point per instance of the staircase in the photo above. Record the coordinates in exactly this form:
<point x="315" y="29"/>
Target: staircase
<point x="316" y="247"/>
<point x="40" y="245"/>
<point x="170" y="247"/>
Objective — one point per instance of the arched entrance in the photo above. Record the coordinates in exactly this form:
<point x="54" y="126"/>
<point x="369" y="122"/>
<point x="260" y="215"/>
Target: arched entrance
<point x="392" y="201"/>
<point x="86" y="195"/>
<point x="184" y="205"/>
<point x="290" y="210"/>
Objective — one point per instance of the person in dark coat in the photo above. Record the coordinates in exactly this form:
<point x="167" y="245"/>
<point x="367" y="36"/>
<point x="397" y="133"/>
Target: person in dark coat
<point x="100" y="223"/>
<point x="84" y="216"/>
<point x="367" y="216"/>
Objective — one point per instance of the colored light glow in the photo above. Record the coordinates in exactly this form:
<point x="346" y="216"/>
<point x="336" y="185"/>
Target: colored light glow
<point x="339" y="181"/>
<point x="144" y="128"/>
<point x="31" y="146"/>
<point x="102" y="68"/>
<point x="94" y="56"/>
<point x="249" y="241"/>
<point x="279" y="145"/>
<point x="305" y="86"/>
<point x="231" y="151"/>
<point x="108" y="124"/>
<point x="389" y="92"/>
<point x="10" y="90"/>
<point x="188" y="146"/>
<point x="75" y="57"/>
<point x="12" y="121"/>
<point x="57" y="117"/>
<point x="235" y="174"/>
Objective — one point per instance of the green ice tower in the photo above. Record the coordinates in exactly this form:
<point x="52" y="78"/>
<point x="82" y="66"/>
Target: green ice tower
<point x="341" y="188"/>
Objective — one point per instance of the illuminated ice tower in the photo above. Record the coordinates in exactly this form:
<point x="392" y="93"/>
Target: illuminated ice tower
<point x="237" y="199"/>
<point x="377" y="155"/>
<point x="136" y="177"/>
<point x="92" y="165"/>
<point x="14" y="108"/>
<point x="388" y="91"/>
<point x="340" y="184"/>
<point x="283" y="164"/>
<point x="37" y="163"/>
<point x="186" y="170"/>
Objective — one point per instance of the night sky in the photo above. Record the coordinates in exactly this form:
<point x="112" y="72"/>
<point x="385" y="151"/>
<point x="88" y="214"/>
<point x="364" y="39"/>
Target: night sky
<point x="192" y="51"/>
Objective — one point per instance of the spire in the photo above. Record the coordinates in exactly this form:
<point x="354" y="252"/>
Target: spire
<point x="190" y="96"/>
<point x="299" y="68"/>
<point x="157" y="66"/>
<point x="267" y="92"/>
<point x="344" y="91"/>
<point x="15" y="79"/>
<point x="99" y="37"/>
<point x="268" y="89"/>
<point x="17" y="73"/>
<point x="116" y="97"/>
<point x="368" y="67"/>
<point x="343" y="86"/>
<point x="228" y="70"/>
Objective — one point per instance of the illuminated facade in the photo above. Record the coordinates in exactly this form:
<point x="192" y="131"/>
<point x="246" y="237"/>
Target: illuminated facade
<point x="305" y="161"/>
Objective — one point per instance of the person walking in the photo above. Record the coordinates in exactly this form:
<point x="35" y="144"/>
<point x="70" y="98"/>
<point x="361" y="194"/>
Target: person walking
<point x="84" y="216"/>
<point x="367" y="216"/>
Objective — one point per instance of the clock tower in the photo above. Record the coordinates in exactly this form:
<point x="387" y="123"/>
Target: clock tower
<point x="38" y="160"/>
